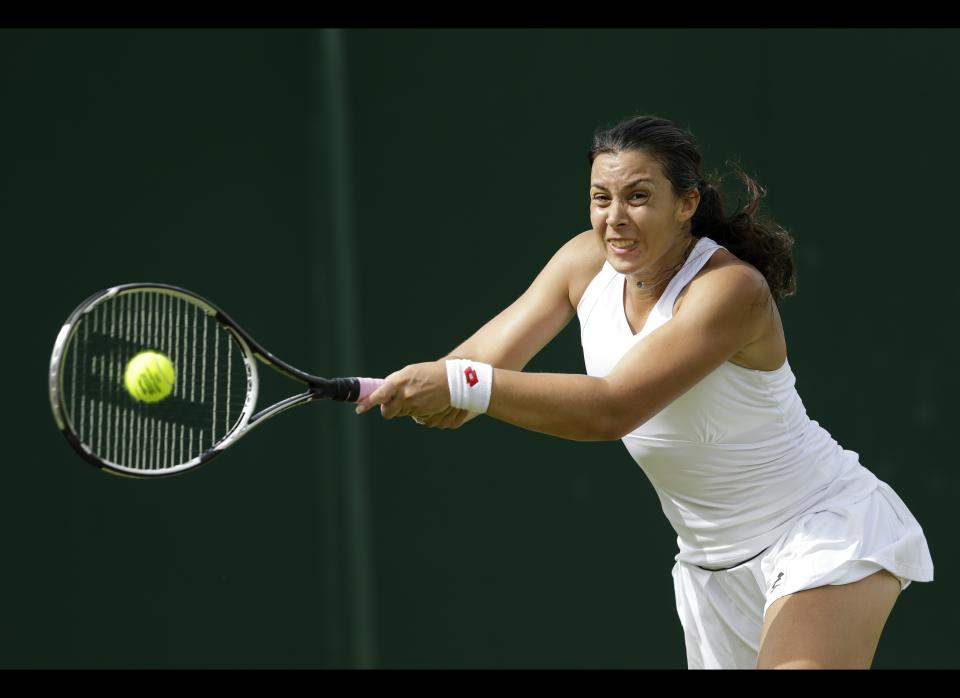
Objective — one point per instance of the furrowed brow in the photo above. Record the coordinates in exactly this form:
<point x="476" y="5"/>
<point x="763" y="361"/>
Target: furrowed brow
<point x="629" y="185"/>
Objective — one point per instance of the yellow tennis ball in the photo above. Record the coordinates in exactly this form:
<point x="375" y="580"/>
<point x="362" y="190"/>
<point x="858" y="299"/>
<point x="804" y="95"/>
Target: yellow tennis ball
<point x="149" y="376"/>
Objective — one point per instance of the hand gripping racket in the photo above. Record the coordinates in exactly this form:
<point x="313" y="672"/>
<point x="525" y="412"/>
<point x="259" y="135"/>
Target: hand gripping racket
<point x="214" y="392"/>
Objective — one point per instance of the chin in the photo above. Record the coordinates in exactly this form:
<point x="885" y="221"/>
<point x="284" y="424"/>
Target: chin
<point x="626" y="266"/>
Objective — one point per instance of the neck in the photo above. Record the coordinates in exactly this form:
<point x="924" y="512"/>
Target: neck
<point x="649" y="285"/>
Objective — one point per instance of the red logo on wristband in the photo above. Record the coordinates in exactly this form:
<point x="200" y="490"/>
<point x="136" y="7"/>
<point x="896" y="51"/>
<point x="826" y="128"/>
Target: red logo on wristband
<point x="471" y="376"/>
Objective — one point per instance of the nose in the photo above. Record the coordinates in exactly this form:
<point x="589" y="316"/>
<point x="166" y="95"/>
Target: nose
<point x="616" y="213"/>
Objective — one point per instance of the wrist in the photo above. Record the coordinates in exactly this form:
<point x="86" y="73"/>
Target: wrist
<point x="470" y="384"/>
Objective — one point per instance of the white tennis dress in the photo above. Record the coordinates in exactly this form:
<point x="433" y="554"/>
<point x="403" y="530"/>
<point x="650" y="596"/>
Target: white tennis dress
<point x="751" y="485"/>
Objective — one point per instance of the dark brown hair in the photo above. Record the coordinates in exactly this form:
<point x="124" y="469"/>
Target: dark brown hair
<point x="747" y="234"/>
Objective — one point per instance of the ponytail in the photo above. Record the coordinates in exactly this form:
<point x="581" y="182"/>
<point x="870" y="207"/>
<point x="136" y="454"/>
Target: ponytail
<point x="747" y="234"/>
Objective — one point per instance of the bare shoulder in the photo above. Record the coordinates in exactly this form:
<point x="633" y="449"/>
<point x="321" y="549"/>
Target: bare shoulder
<point x="726" y="279"/>
<point x="729" y="290"/>
<point x="582" y="259"/>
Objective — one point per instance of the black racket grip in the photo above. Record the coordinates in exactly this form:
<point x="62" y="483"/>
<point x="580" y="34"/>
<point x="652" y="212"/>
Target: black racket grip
<point x="347" y="389"/>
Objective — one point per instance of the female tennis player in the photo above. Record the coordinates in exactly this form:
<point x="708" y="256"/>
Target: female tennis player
<point x="791" y="553"/>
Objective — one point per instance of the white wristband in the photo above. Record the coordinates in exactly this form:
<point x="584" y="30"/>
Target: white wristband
<point x="470" y="383"/>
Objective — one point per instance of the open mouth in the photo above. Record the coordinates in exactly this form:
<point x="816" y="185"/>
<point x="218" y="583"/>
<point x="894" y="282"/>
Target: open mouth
<point x="622" y="246"/>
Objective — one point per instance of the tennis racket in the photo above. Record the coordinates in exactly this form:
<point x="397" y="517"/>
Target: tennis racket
<point x="214" y="393"/>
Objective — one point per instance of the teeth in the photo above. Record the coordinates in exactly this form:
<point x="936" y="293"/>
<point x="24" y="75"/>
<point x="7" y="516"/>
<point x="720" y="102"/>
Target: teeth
<point x="622" y="243"/>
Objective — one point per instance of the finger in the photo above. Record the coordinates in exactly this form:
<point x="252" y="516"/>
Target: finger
<point x="383" y="394"/>
<point x="441" y="420"/>
<point x="444" y="419"/>
<point x="434" y="418"/>
<point x="391" y="408"/>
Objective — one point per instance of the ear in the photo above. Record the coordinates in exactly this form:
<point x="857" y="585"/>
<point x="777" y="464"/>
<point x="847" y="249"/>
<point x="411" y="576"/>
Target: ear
<point x="687" y="205"/>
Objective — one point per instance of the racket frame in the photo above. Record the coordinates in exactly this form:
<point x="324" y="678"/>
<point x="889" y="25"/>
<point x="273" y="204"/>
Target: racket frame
<point x="341" y="389"/>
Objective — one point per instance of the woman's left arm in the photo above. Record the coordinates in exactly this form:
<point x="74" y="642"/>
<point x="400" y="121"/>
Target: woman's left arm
<point x="725" y="310"/>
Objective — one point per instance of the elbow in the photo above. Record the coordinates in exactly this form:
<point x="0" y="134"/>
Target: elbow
<point x="605" y="414"/>
<point x="620" y="418"/>
<point x="610" y="433"/>
<point x="600" y="426"/>
<point x="610" y="427"/>
<point x="616" y="429"/>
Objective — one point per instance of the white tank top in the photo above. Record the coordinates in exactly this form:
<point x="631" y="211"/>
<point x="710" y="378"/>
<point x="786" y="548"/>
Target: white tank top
<point x="735" y="459"/>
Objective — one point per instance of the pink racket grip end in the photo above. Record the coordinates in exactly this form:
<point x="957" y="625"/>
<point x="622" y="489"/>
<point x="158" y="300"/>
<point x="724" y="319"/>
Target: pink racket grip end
<point x="368" y="385"/>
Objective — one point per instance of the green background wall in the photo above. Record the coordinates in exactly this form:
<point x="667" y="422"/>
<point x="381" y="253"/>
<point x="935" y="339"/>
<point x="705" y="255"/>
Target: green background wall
<point x="239" y="163"/>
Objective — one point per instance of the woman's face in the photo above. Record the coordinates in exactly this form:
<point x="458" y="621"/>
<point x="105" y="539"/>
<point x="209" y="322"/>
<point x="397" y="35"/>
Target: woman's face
<point x="634" y="212"/>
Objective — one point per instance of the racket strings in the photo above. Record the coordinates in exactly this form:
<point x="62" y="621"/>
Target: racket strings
<point x="208" y="394"/>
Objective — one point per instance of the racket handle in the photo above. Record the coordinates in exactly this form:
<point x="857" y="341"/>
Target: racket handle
<point x="344" y="389"/>
<point x="368" y="385"/>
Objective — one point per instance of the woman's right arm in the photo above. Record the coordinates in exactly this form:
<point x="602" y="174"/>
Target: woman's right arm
<point x="512" y="338"/>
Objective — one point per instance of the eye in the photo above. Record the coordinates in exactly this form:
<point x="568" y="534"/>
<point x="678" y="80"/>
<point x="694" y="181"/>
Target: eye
<point x="638" y="196"/>
<point x="600" y="198"/>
